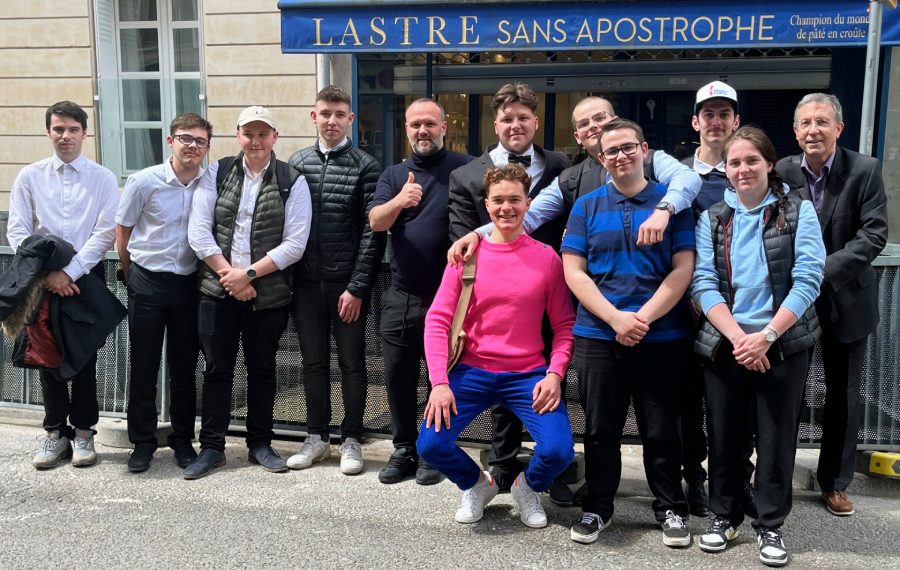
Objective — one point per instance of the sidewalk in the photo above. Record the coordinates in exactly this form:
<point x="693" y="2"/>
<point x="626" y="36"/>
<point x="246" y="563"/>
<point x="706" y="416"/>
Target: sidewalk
<point x="241" y="516"/>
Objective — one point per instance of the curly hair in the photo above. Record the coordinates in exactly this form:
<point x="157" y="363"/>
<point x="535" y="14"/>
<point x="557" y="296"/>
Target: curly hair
<point x="511" y="172"/>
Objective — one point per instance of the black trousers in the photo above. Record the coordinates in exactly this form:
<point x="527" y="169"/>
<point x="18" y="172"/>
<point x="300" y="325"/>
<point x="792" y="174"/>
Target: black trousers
<point x="222" y="324"/>
<point x="840" y="422"/>
<point x="694" y="444"/>
<point x="777" y="395"/>
<point x="162" y="305"/>
<point x="402" y="338"/>
<point x="315" y="313"/>
<point x="651" y="375"/>
<point x="81" y="408"/>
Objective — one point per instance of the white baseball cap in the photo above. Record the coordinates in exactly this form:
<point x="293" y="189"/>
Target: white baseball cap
<point x="256" y="113"/>
<point x="716" y="90"/>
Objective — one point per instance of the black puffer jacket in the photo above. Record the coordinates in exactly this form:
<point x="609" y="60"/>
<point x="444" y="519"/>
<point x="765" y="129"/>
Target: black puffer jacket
<point x="342" y="247"/>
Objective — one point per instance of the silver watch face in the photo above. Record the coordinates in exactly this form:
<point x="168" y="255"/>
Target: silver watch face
<point x="771" y="336"/>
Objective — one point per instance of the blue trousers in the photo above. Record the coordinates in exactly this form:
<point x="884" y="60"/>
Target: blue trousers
<point x="476" y="390"/>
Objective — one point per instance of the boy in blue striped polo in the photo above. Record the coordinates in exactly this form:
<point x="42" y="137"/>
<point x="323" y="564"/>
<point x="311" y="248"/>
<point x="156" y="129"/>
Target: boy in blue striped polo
<point x="631" y="332"/>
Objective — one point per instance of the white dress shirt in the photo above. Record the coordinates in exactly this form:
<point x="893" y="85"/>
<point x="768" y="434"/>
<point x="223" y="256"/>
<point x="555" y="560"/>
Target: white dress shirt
<point x="75" y="201"/>
<point x="297" y="215"/>
<point x="157" y="206"/>
<point x="500" y="157"/>
<point x="701" y="167"/>
<point x="325" y="150"/>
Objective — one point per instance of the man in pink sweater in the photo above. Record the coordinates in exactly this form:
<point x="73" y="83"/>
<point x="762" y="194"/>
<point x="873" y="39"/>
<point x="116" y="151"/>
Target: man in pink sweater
<point x="517" y="279"/>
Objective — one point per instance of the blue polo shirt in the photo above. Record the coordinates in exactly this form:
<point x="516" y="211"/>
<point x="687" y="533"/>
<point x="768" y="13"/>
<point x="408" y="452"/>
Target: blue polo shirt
<point x="603" y="228"/>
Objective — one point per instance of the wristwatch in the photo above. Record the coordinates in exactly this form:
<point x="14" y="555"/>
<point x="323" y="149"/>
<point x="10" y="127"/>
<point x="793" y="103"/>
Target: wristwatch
<point x="666" y="206"/>
<point x="770" y="333"/>
<point x="251" y="273"/>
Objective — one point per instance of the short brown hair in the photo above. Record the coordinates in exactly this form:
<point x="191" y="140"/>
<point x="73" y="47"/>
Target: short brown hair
<point x="617" y="124"/>
<point x="190" y="121"/>
<point x="67" y="109"/>
<point x="333" y="94"/>
<point x="512" y="172"/>
<point x="513" y="93"/>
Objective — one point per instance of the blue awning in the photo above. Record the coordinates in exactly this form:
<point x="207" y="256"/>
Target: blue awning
<point x="348" y="26"/>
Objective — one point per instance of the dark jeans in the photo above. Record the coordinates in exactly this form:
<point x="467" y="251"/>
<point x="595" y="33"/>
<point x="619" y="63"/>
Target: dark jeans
<point x="81" y="409"/>
<point x="162" y="304"/>
<point x="840" y="421"/>
<point x="777" y="395"/>
<point x="315" y="313"/>
<point x="222" y="324"/>
<point x="402" y="337"/>
<point x="651" y="375"/>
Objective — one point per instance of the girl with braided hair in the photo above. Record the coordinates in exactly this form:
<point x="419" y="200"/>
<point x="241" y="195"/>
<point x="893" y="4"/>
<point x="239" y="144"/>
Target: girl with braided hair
<point x="759" y="267"/>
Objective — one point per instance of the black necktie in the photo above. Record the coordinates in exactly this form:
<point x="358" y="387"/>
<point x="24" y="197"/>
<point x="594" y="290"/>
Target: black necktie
<point x="524" y="160"/>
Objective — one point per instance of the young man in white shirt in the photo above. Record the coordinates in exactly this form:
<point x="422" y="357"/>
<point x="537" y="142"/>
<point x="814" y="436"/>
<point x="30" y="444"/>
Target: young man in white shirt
<point x="249" y="223"/>
<point x="160" y="271"/>
<point x="72" y="197"/>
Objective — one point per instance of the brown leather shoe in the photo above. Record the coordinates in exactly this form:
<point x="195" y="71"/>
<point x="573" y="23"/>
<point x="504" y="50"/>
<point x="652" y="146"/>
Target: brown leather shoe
<point x="837" y="503"/>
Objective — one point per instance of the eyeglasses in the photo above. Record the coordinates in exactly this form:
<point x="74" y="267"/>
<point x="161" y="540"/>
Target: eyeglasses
<point x="188" y="140"/>
<point x="627" y="149"/>
<point x="599" y="119"/>
<point x="805" y="124"/>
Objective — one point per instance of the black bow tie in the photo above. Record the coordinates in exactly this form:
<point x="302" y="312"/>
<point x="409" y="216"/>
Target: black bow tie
<point x="524" y="160"/>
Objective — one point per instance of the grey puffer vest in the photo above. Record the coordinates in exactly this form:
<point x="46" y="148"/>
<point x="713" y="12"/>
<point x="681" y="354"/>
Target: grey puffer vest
<point x="272" y="290"/>
<point x="779" y="248"/>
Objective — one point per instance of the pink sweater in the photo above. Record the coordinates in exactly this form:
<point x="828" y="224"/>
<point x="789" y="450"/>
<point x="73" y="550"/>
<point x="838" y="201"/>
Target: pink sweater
<point x="514" y="284"/>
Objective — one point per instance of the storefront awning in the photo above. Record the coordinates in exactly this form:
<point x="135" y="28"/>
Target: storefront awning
<point x="348" y="26"/>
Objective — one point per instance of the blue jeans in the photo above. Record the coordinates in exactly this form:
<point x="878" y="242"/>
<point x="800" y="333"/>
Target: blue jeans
<point x="476" y="390"/>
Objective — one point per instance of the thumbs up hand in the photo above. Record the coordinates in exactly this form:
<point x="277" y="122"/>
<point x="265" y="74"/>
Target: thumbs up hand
<point x="411" y="193"/>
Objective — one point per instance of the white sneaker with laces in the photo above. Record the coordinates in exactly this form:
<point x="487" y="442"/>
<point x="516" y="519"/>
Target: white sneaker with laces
<point x="471" y="508"/>
<point x="530" y="509"/>
<point x="84" y="454"/>
<point x="54" y="448"/>
<point x="351" y="457"/>
<point x="312" y="451"/>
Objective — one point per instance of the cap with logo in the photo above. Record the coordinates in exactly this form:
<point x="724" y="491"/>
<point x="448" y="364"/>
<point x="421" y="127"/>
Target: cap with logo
<point x="256" y="113"/>
<point x="716" y="90"/>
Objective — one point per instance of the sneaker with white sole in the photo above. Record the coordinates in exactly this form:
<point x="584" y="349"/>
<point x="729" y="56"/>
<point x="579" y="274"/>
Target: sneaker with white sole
<point x="772" y="551"/>
<point x="474" y="499"/>
<point x="588" y="529"/>
<point x="351" y="457"/>
<point x="312" y="451"/>
<point x="84" y="454"/>
<point x="530" y="509"/>
<point x="675" y="532"/>
<point x="54" y="448"/>
<point x="718" y="535"/>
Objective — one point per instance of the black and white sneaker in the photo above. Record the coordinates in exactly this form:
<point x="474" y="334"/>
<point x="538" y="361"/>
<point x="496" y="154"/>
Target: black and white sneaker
<point x="675" y="532"/>
<point x="772" y="551"/>
<point x="588" y="529"/>
<point x="718" y="535"/>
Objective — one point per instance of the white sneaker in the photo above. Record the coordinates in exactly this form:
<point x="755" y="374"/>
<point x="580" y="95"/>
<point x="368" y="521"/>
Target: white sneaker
<point x="530" y="509"/>
<point x="351" y="457"/>
<point x="84" y="455"/>
<point x="54" y="448"/>
<point x="471" y="508"/>
<point x="312" y="451"/>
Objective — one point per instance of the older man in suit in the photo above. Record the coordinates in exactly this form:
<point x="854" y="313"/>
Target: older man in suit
<point x="848" y="193"/>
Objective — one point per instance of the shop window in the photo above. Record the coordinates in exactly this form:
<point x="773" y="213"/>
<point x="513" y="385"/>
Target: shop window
<point x="149" y="71"/>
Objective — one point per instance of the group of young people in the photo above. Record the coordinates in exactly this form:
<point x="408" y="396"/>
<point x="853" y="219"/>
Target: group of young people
<point x="748" y="288"/>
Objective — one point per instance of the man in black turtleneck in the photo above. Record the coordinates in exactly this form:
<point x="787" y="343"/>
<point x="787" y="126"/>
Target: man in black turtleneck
<point x="411" y="201"/>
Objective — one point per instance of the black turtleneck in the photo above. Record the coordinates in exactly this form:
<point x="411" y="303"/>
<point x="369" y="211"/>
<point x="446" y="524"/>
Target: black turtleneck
<point x="419" y="236"/>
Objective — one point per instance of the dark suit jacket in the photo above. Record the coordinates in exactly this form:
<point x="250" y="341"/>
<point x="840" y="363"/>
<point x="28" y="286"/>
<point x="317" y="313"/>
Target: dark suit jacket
<point x="854" y="229"/>
<point x="467" y="210"/>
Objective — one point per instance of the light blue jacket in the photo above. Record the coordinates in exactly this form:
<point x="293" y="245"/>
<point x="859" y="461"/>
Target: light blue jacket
<point x="752" y="307"/>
